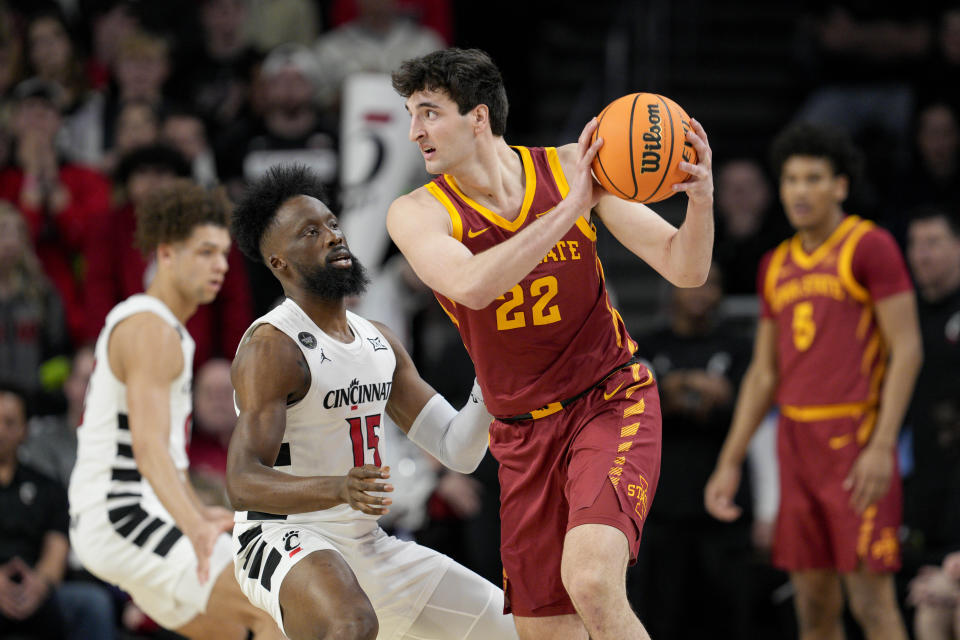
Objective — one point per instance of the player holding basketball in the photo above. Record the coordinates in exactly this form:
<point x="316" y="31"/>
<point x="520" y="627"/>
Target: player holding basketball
<point x="838" y="349"/>
<point x="313" y="382"/>
<point x="505" y="239"/>
<point x="135" y="520"/>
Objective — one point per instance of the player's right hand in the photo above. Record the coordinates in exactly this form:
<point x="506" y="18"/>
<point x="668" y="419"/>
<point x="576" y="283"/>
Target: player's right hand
<point x="203" y="536"/>
<point x="359" y="482"/>
<point x="585" y="191"/>
<point x="719" y="492"/>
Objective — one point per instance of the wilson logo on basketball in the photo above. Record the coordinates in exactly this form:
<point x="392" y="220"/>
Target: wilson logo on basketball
<point x="357" y="394"/>
<point x="650" y="160"/>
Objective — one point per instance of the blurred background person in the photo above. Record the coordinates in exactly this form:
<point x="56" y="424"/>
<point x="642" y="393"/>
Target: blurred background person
<point x="214" y="418"/>
<point x="186" y="132"/>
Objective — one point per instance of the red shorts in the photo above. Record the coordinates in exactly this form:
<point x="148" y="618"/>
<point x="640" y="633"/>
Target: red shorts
<point x="595" y="462"/>
<point x="816" y="526"/>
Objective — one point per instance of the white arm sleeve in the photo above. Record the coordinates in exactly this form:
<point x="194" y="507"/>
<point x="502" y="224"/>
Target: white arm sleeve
<point x="456" y="439"/>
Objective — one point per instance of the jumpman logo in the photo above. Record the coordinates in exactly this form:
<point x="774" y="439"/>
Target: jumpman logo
<point x="323" y="357"/>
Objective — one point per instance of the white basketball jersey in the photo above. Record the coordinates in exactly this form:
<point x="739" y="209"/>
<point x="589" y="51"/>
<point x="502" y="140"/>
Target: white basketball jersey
<point x="338" y="424"/>
<point x="105" y="466"/>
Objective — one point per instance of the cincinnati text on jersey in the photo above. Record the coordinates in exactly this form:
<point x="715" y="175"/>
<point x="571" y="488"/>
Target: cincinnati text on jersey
<point x="357" y="393"/>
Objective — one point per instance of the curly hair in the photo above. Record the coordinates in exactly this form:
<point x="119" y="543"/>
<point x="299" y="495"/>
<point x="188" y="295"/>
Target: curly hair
<point x="171" y="213"/>
<point x="262" y="199"/>
<point x="468" y="76"/>
<point x="817" y="141"/>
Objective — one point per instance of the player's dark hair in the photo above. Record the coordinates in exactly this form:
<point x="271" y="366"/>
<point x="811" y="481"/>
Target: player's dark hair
<point x="468" y="76"/>
<point x="817" y="141"/>
<point x="933" y="212"/>
<point x="171" y="213"/>
<point x="262" y="199"/>
<point x="9" y="387"/>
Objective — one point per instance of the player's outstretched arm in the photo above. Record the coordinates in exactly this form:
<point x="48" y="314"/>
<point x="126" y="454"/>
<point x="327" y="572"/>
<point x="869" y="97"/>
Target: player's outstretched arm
<point x="754" y="400"/>
<point x="144" y="352"/>
<point x="682" y="256"/>
<point x="458" y="439"/>
<point x="269" y="373"/>
<point x="421" y="228"/>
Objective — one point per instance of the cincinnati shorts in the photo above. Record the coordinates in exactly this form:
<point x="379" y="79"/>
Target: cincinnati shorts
<point x="816" y="526"/>
<point x="595" y="462"/>
<point x="397" y="576"/>
<point x="145" y="554"/>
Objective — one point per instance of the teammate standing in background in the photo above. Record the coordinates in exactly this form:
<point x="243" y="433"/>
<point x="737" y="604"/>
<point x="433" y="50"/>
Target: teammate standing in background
<point x="838" y="349"/>
<point x="305" y="467"/>
<point x="504" y="237"/>
<point x="135" y="520"/>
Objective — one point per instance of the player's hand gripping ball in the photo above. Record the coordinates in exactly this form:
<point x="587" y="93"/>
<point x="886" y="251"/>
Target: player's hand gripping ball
<point x="644" y="139"/>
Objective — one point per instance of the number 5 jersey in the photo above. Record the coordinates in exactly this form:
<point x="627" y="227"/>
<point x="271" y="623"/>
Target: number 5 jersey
<point x="831" y="356"/>
<point x="555" y="333"/>
<point x="337" y="425"/>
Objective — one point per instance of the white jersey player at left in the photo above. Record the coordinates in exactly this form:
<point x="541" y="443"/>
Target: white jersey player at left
<point x="314" y="383"/>
<point x="135" y="520"/>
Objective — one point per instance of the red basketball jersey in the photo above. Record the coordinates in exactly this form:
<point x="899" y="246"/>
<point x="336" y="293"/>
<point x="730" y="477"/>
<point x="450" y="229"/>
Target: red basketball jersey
<point x="555" y="333"/>
<point x="831" y="356"/>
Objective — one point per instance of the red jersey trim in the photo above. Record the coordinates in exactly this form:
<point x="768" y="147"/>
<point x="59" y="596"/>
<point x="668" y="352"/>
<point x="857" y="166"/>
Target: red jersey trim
<point x="530" y="175"/>
<point x="455" y="221"/>
<point x="809" y="260"/>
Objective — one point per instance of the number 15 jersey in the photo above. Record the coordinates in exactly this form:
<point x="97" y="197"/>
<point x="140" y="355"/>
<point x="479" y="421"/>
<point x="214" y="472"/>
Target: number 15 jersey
<point x="831" y="356"/>
<point x="555" y="333"/>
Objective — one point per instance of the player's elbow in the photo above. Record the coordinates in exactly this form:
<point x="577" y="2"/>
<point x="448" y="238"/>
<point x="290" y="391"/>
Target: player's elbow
<point x="235" y="494"/>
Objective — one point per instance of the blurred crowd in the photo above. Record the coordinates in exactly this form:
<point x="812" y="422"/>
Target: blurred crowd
<point x="103" y="101"/>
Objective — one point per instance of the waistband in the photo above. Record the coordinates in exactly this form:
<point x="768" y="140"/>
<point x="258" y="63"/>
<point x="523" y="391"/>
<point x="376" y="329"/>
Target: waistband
<point x="554" y="407"/>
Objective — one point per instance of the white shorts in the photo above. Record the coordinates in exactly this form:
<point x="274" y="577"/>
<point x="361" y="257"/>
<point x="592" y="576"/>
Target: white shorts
<point x="397" y="576"/>
<point x="147" y="556"/>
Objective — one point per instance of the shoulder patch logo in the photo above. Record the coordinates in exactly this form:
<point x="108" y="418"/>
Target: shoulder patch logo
<point x="307" y="339"/>
<point x="377" y="344"/>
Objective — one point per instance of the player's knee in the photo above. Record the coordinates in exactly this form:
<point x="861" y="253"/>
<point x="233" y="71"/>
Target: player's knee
<point x="590" y="587"/>
<point x="359" y="625"/>
<point x="874" y="609"/>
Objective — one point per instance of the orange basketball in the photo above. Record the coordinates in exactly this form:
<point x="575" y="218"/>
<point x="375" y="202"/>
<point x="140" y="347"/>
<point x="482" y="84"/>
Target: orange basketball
<point x="644" y="139"/>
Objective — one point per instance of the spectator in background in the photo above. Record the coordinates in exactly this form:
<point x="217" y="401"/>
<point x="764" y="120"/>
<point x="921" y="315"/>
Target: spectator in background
<point x="136" y="126"/>
<point x="746" y="227"/>
<point x="59" y="200"/>
<point x="32" y="326"/>
<point x="433" y="14"/>
<point x="118" y="270"/>
<point x="689" y="560"/>
<point x="111" y="22"/>
<point x="271" y="23"/>
<point x="936" y="594"/>
<point x="186" y="132"/>
<point x="214" y="418"/>
<point x="932" y="84"/>
<point x="51" y="445"/>
<point x="33" y="534"/>
<point x="216" y="79"/>
<point x="376" y="40"/>
<point x="932" y="504"/>
<point x="292" y="129"/>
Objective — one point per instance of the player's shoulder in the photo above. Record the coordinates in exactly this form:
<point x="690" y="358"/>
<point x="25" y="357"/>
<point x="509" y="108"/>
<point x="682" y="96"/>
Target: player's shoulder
<point x="415" y="200"/>
<point x="412" y="213"/>
<point x="266" y="354"/>
<point x="146" y="330"/>
<point x="875" y="240"/>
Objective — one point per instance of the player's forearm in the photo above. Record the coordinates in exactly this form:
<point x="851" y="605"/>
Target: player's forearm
<point x="906" y="358"/>
<point x="255" y="487"/>
<point x="491" y="273"/>
<point x="167" y="482"/>
<point x="691" y="248"/>
<point x="755" y="399"/>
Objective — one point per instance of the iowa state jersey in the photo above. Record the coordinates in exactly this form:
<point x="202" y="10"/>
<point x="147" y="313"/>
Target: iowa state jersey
<point x="337" y="425"/>
<point x="831" y="355"/>
<point x="555" y="333"/>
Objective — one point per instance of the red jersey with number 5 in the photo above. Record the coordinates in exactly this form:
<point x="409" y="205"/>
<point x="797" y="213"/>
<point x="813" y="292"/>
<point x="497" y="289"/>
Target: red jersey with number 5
<point x="830" y="351"/>
<point x="555" y="333"/>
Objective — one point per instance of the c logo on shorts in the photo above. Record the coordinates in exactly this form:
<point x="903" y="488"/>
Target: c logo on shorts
<point x="291" y="543"/>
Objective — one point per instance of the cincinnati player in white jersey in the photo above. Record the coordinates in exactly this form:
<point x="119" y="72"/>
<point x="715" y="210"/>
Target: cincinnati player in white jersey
<point x="313" y="382"/>
<point x="135" y="520"/>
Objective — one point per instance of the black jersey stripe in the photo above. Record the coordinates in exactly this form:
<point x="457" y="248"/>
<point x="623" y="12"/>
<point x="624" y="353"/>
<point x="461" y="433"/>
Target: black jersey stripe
<point x="257" y="559"/>
<point x="125" y="475"/>
<point x="273" y="559"/>
<point x="164" y="546"/>
<point x="124" y="494"/>
<point x="123" y="422"/>
<point x="124" y="450"/>
<point x="283" y="456"/>
<point x="262" y="515"/>
<point x="249" y="536"/>
<point x="152" y="526"/>
<point x="119" y="513"/>
<point x="138" y="516"/>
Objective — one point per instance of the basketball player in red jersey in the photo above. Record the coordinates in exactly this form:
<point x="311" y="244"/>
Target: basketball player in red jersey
<point x="504" y="237"/>
<point x="838" y="349"/>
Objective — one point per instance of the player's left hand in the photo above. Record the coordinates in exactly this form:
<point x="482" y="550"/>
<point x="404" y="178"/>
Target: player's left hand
<point x="869" y="479"/>
<point x="699" y="186"/>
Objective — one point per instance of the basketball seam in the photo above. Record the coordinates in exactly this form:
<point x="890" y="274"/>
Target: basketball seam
<point x="666" y="169"/>
<point x="633" y="170"/>
<point x="600" y="159"/>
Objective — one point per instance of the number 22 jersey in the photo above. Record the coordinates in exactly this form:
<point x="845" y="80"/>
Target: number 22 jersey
<point x="555" y="333"/>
